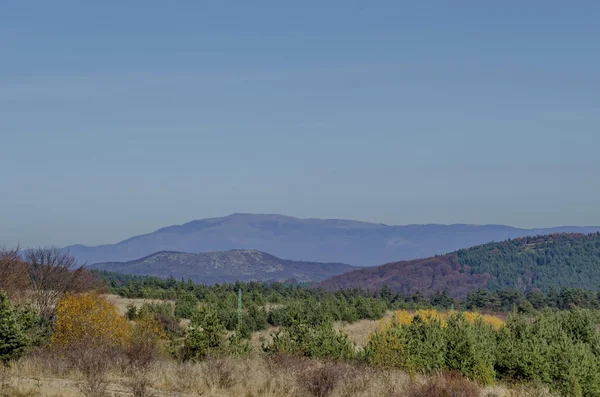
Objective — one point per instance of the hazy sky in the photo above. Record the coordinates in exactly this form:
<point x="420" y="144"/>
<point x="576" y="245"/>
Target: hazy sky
<point x="117" y="118"/>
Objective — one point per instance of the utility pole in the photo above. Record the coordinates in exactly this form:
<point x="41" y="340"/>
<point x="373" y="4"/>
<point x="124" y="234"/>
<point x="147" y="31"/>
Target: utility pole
<point x="239" y="310"/>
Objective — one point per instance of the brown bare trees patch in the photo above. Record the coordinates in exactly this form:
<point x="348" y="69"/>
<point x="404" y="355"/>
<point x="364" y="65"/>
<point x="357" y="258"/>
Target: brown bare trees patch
<point x="52" y="273"/>
<point x="14" y="274"/>
<point x="43" y="276"/>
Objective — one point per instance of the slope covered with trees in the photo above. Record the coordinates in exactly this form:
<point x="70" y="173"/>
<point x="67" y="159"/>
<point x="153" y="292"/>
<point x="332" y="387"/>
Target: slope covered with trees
<point x="528" y="263"/>
<point x="558" y="260"/>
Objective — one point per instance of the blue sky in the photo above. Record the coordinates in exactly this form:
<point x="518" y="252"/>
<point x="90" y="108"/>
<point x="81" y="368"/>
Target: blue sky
<point x="117" y="118"/>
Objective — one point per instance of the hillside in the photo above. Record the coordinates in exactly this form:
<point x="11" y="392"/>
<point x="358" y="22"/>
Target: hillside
<point x="227" y="266"/>
<point x="318" y="240"/>
<point x="557" y="260"/>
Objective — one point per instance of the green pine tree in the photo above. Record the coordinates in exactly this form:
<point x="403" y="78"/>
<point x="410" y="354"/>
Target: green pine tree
<point x="13" y="337"/>
<point x="205" y="336"/>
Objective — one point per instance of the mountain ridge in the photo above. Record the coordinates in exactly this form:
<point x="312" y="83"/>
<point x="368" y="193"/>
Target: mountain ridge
<point x="225" y="266"/>
<point x="319" y="240"/>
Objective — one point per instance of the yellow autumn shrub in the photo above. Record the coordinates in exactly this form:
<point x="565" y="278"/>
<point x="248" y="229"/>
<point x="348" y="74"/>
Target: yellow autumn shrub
<point x="91" y="319"/>
<point x="406" y="317"/>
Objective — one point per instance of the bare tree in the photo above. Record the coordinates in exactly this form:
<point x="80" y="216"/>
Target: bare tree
<point x="13" y="272"/>
<point x="52" y="273"/>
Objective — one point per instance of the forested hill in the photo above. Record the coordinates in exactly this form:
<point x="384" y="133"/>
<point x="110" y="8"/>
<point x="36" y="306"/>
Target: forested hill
<point x="557" y="260"/>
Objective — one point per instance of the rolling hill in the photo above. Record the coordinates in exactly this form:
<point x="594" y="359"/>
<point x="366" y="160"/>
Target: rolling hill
<point x="318" y="240"/>
<point x="227" y="266"/>
<point x="557" y="260"/>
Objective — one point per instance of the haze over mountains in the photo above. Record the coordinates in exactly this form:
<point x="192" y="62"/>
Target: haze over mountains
<point x="226" y="266"/>
<point x="315" y="240"/>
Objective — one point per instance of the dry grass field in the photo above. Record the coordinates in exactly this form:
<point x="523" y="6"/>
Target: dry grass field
<point x="359" y="331"/>
<point x="122" y="303"/>
<point x="254" y="376"/>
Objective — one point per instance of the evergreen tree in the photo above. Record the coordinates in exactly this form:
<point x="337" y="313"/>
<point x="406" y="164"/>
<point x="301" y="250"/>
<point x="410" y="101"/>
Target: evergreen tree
<point x="205" y="336"/>
<point x="13" y="336"/>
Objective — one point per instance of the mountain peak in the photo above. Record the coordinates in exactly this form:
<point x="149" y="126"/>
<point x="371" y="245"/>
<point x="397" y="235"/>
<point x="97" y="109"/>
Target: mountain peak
<point x="319" y="240"/>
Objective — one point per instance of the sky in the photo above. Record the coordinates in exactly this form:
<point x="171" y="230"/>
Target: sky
<point x="117" y="118"/>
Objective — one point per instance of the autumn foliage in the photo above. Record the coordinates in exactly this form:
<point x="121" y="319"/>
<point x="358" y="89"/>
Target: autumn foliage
<point x="89" y="318"/>
<point x="406" y="317"/>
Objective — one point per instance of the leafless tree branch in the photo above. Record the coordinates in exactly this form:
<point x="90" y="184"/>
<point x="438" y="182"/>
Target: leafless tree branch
<point x="52" y="273"/>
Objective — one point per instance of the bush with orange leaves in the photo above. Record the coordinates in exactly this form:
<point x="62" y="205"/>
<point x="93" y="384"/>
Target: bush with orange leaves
<point x="89" y="319"/>
<point x="90" y="335"/>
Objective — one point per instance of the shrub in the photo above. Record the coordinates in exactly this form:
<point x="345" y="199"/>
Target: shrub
<point x="417" y="346"/>
<point x="185" y="305"/>
<point x="142" y="351"/>
<point x="139" y="385"/>
<point x="327" y="342"/>
<point x="369" y="308"/>
<point x="470" y="349"/>
<point x="309" y="312"/>
<point x="37" y="328"/>
<point x="558" y="349"/>
<point x="90" y="334"/>
<point x="88" y="319"/>
<point x="205" y="336"/>
<point x="387" y="347"/>
<point x="522" y="351"/>
<point x="93" y="362"/>
<point x="320" y="380"/>
<point x="143" y="347"/>
<point x="131" y="312"/>
<point x="169" y="324"/>
<point x="219" y="373"/>
<point x="13" y="336"/>
<point x="156" y="308"/>
<point x="447" y="385"/>
<point x="238" y="345"/>
<point x="427" y="345"/>
<point x="406" y="317"/>
<point x="256" y="318"/>
<point x="321" y="341"/>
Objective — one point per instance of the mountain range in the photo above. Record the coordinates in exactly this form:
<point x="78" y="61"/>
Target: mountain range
<point x="225" y="266"/>
<point x="316" y="240"/>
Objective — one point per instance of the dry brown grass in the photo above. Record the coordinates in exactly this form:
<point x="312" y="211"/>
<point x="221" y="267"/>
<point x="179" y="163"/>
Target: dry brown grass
<point x="255" y="376"/>
<point x="359" y="331"/>
<point x="260" y="337"/>
<point x="122" y="303"/>
<point x="446" y="385"/>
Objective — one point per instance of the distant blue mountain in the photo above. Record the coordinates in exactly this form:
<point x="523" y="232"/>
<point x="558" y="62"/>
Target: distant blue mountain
<point x="318" y="240"/>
